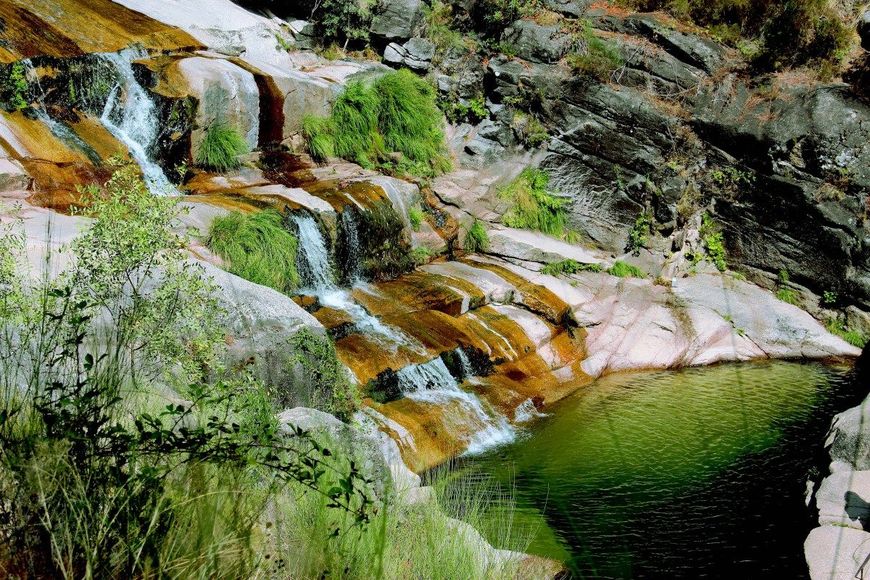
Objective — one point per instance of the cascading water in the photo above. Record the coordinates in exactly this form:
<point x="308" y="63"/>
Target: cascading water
<point x="130" y="115"/>
<point x="432" y="382"/>
<point x="318" y="276"/>
<point x="314" y="257"/>
<point x="350" y="228"/>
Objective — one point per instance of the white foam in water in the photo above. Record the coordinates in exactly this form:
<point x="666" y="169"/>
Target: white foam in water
<point x="465" y="363"/>
<point x="431" y="382"/>
<point x="526" y="412"/>
<point x="351" y="236"/>
<point x="313" y="252"/>
<point x="135" y="121"/>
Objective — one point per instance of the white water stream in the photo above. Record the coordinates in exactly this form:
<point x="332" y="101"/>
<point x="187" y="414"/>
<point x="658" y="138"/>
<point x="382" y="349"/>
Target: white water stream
<point x="131" y="116"/>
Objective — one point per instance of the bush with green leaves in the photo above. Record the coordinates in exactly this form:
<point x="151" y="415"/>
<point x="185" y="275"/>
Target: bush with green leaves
<point x="343" y="21"/>
<point x="258" y="247"/>
<point x="638" y="237"/>
<point x="126" y="449"/>
<point x="397" y="113"/>
<point x="476" y="239"/>
<point x="221" y="147"/>
<point x="14" y="86"/>
<point x="532" y="206"/>
<point x="714" y="242"/>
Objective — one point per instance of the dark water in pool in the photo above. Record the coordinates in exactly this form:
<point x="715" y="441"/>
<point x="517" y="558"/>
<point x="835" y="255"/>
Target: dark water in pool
<point x="680" y="474"/>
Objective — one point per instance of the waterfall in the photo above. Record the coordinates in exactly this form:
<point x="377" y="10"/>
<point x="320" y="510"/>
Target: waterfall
<point x="313" y="255"/>
<point x="431" y="382"/>
<point x="464" y="363"/>
<point x="131" y="116"/>
<point x="58" y="129"/>
<point x="351" y="236"/>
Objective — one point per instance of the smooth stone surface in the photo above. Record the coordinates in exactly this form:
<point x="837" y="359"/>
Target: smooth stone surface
<point x="836" y="553"/>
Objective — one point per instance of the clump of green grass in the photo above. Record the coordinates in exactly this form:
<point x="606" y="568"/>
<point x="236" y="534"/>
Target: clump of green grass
<point x="621" y="269"/>
<point x="787" y="295"/>
<point x="415" y="215"/>
<point x="599" y="60"/>
<point x="569" y="266"/>
<point x="220" y="148"/>
<point x="257" y="247"/>
<point x="395" y="114"/>
<point x="532" y="206"/>
<point x="853" y="337"/>
<point x="476" y="238"/>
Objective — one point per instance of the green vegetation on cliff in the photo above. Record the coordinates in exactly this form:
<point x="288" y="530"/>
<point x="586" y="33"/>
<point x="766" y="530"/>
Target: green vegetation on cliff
<point x="569" y="266"/>
<point x="790" y="33"/>
<point x="257" y="247"/>
<point x="220" y="148"/>
<point x="532" y="206"/>
<point x="391" y="123"/>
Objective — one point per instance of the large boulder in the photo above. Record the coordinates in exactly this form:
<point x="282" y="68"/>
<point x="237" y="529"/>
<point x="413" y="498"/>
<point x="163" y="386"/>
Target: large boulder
<point x="225" y="93"/>
<point x="415" y="54"/>
<point x="396" y="19"/>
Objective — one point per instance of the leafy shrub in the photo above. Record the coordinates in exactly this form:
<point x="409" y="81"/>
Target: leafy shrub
<point x="569" y="266"/>
<point x="397" y="113"/>
<point x="257" y="247"/>
<point x="830" y="297"/>
<point x="621" y="269"/>
<point x="473" y="111"/>
<point x="714" y="243"/>
<point x="638" y="237"/>
<point x="532" y="206"/>
<point x="415" y="215"/>
<point x="421" y="255"/>
<point x="13" y="87"/>
<point x="345" y="21"/>
<point x="220" y="148"/>
<point x="97" y="484"/>
<point x="492" y="16"/>
<point x="476" y="238"/>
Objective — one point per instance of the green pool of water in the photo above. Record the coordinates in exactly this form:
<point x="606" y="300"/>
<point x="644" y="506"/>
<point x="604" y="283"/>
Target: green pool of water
<point x="693" y="473"/>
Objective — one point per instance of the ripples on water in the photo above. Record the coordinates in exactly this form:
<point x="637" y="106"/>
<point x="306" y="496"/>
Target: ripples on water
<point x="692" y="473"/>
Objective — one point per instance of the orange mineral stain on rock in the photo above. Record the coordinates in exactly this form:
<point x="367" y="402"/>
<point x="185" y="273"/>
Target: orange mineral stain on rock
<point x="79" y="27"/>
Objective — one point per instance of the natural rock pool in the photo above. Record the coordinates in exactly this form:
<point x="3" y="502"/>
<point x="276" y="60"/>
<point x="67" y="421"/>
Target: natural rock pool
<point x="694" y="473"/>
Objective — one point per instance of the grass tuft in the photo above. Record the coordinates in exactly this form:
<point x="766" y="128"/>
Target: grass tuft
<point x="220" y="148"/>
<point x="532" y="206"/>
<point x="622" y="270"/>
<point x="476" y="238"/>
<point x="396" y="114"/>
<point x="415" y="215"/>
<point x="569" y="266"/>
<point x="257" y="247"/>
